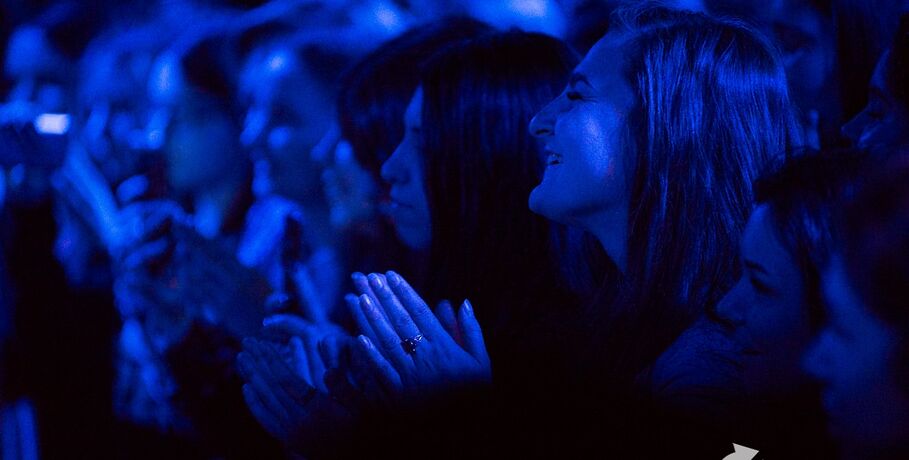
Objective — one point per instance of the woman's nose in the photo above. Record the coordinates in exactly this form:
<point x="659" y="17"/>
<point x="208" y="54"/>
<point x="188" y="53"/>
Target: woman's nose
<point x="728" y="312"/>
<point x="542" y="123"/>
<point x="392" y="170"/>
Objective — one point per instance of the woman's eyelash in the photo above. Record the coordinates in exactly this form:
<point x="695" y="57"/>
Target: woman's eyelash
<point x="573" y="96"/>
<point x="759" y="286"/>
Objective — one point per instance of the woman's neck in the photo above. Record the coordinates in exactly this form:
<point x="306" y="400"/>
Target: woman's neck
<point x="611" y="229"/>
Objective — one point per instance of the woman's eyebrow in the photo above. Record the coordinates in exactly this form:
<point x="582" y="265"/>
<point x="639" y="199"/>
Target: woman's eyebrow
<point x="579" y="78"/>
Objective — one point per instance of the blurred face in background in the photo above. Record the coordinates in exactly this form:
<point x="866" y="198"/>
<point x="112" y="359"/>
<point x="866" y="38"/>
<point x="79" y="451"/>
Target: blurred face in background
<point x="35" y="119"/>
<point x="404" y="172"/>
<point x="854" y="357"/>
<point x="200" y="140"/>
<point x="805" y="38"/>
<point x="883" y="125"/>
<point x="118" y="124"/>
<point x="288" y="115"/>
<point x="352" y="192"/>
<point x="768" y="311"/>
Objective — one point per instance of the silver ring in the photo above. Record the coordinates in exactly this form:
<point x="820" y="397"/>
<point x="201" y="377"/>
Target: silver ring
<point x="410" y="345"/>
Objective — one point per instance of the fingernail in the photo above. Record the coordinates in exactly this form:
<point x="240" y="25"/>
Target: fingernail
<point x="357" y="276"/>
<point x="375" y="281"/>
<point x="363" y="340"/>
<point x="468" y="308"/>
<point x="393" y="278"/>
<point x="364" y="300"/>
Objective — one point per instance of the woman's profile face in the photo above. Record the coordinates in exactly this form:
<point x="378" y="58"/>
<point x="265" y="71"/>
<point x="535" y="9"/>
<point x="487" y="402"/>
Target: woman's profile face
<point x="883" y="125"/>
<point x="853" y="357"/>
<point x="582" y="132"/>
<point x="409" y="208"/>
<point x="768" y="310"/>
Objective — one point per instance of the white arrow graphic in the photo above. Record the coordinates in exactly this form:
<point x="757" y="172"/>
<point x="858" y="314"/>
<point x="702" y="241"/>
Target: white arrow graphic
<point x="741" y="453"/>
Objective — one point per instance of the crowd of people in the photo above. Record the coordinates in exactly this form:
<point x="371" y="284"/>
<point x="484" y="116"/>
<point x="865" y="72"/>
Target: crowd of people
<point x="375" y="228"/>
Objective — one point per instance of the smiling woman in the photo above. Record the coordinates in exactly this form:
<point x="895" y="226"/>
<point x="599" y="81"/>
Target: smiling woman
<point x="652" y="148"/>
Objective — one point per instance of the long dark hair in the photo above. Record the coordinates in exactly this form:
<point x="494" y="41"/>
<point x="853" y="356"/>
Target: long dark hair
<point x="374" y="92"/>
<point x="481" y="164"/>
<point x="712" y="109"/>
<point x="371" y="102"/>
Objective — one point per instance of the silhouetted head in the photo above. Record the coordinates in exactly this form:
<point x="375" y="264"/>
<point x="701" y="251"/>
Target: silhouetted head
<point x="194" y="86"/>
<point x="460" y="177"/>
<point x="776" y="306"/>
<point x="882" y="127"/>
<point x="860" y="356"/>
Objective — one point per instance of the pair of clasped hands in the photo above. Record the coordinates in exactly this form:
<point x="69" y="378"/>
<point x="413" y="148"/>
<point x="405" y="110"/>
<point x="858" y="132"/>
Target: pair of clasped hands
<point x="320" y="378"/>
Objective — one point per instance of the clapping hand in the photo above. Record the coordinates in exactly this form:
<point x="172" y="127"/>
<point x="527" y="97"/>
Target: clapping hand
<point x="286" y="395"/>
<point x="411" y="350"/>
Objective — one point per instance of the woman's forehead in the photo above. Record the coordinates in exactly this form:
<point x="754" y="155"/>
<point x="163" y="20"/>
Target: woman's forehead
<point x="415" y="107"/>
<point x="605" y="59"/>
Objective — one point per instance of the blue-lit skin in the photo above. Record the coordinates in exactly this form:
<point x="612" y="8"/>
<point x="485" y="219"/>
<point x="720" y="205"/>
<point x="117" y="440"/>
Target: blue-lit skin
<point x="883" y="125"/>
<point x="201" y="146"/>
<point x="768" y="311"/>
<point x="854" y="358"/>
<point x="583" y="131"/>
<point x="288" y="113"/>
<point x="403" y="170"/>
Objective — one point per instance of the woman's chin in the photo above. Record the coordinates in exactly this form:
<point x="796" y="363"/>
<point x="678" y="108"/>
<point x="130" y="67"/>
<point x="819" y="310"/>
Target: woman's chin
<point x="536" y="201"/>
<point x="540" y="202"/>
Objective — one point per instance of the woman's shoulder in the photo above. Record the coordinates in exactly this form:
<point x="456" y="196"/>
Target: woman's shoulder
<point x="700" y="372"/>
